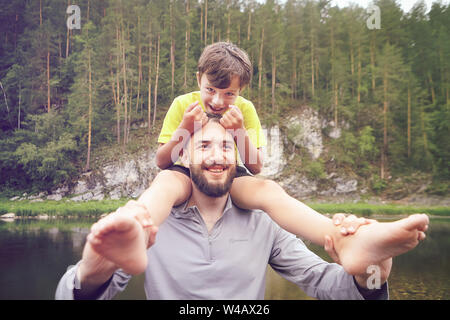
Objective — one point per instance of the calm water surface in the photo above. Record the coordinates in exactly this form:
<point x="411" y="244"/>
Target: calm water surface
<point x="35" y="254"/>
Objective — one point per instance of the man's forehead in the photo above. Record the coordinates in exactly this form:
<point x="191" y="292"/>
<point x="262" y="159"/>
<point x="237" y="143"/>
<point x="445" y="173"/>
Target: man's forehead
<point x="212" y="132"/>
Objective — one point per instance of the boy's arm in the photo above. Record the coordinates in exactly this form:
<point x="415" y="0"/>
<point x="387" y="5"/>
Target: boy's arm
<point x="250" y="155"/>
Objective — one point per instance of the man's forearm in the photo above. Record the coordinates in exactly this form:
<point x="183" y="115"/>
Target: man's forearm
<point x="93" y="272"/>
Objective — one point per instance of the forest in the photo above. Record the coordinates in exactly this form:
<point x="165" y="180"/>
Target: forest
<point x="67" y="91"/>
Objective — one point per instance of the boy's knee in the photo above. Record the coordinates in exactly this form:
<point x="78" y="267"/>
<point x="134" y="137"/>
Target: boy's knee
<point x="270" y="185"/>
<point x="171" y="177"/>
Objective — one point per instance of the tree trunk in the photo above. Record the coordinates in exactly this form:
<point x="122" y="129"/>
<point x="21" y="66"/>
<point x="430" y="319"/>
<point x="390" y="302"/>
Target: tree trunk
<point x="67" y="36"/>
<point x="119" y="49"/>
<point x="359" y="73"/>
<point x="312" y="61"/>
<point x="229" y="20"/>
<point x="352" y="66"/>
<point x="138" y="99"/>
<point x="125" y="87"/>
<point x="90" y="113"/>
<point x="372" y="60"/>
<point x="274" y="72"/>
<point x="433" y="94"/>
<point x="409" y="121"/>
<point x="40" y="13"/>
<point x="385" y="124"/>
<point x="260" y="67"/>
<point x="206" y="21"/>
<point x="149" y="125"/>
<point x="249" y="29"/>
<point x="172" y="50"/>
<point x="201" y="22"/>
<point x="48" y="80"/>
<point x="186" y="46"/>
<point x="156" y="80"/>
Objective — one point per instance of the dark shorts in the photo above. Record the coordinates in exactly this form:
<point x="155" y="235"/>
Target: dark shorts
<point x="240" y="171"/>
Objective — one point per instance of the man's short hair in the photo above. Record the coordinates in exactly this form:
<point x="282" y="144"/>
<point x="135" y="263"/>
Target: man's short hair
<point x="221" y="61"/>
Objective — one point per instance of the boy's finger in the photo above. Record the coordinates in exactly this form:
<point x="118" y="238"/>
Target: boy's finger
<point x="191" y="106"/>
<point x="338" y="218"/>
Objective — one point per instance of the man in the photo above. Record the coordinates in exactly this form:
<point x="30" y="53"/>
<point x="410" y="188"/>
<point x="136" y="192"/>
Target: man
<point x="210" y="249"/>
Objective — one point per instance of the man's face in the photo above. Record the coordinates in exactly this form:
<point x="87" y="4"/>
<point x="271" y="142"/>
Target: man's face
<point x="212" y="160"/>
<point x="217" y="100"/>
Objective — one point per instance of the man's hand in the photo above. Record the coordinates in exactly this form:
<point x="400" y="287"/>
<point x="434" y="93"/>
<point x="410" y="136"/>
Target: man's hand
<point x="232" y="119"/>
<point x="349" y="223"/>
<point x="192" y="115"/>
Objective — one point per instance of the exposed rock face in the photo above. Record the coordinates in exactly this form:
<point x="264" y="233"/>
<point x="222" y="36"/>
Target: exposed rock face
<point x="128" y="177"/>
<point x="131" y="175"/>
<point x="273" y="153"/>
<point x="305" y="130"/>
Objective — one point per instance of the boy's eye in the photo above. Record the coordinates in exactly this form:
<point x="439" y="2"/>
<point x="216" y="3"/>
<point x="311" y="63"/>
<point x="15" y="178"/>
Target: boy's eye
<point x="211" y="90"/>
<point x="230" y="94"/>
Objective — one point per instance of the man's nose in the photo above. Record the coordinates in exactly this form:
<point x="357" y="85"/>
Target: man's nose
<point x="216" y="155"/>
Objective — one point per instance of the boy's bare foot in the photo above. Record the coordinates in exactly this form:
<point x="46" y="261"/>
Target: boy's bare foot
<point x="120" y="239"/>
<point x="378" y="241"/>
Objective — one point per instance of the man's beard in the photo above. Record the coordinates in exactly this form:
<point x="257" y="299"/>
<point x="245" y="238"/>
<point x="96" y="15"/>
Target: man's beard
<point x="212" y="189"/>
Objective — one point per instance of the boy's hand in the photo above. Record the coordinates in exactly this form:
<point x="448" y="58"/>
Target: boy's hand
<point x="349" y="223"/>
<point x="192" y="115"/>
<point x="233" y="119"/>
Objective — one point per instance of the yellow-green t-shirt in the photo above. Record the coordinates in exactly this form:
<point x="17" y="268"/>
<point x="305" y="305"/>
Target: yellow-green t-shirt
<point x="175" y="114"/>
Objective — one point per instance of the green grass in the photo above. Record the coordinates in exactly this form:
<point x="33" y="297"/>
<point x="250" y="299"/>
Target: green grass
<point x="66" y="208"/>
<point x="61" y="208"/>
<point x="365" y="209"/>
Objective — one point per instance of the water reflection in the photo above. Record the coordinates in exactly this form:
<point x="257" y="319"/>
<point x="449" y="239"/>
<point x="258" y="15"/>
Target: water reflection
<point x="34" y="255"/>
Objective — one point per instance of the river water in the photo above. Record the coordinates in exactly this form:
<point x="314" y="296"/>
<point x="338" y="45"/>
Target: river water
<point x="34" y="254"/>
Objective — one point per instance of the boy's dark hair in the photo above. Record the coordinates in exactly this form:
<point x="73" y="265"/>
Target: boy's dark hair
<point x="221" y="61"/>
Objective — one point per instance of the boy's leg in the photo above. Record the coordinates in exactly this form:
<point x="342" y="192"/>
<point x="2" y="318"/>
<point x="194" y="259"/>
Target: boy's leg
<point x="169" y="188"/>
<point x="121" y="240"/>
<point x="292" y="215"/>
<point x="370" y="244"/>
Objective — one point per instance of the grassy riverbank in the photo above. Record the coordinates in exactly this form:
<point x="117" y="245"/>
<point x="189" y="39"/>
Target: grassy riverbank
<point x="65" y="208"/>
<point x="366" y="210"/>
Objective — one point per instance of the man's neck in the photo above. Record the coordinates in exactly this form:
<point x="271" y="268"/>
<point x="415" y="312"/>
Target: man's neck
<point x="211" y="208"/>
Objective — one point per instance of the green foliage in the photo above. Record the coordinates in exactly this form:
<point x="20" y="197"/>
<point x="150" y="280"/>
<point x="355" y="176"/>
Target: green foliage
<point x="316" y="54"/>
<point x="377" y="184"/>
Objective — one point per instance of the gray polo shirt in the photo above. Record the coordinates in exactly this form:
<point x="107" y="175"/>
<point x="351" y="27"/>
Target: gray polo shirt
<point x="229" y="262"/>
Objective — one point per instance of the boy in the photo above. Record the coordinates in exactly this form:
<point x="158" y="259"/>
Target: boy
<point x="223" y="71"/>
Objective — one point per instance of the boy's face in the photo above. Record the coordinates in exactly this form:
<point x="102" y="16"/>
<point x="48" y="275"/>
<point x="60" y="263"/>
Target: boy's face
<point x="217" y="100"/>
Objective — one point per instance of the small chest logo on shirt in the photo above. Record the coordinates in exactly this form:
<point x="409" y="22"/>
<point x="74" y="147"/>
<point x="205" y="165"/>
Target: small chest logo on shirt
<point x="238" y="240"/>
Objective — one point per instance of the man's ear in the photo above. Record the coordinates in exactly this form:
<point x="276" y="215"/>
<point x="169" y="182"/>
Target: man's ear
<point x="184" y="157"/>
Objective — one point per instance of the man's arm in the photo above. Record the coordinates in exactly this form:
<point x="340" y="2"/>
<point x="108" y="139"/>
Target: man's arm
<point x="80" y="283"/>
<point x="319" y="279"/>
